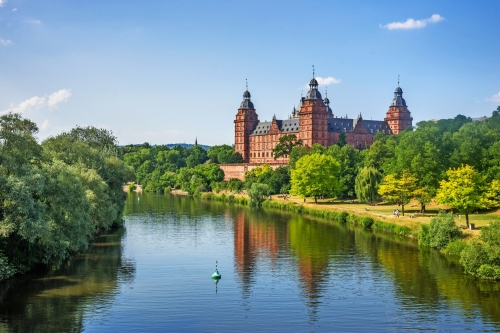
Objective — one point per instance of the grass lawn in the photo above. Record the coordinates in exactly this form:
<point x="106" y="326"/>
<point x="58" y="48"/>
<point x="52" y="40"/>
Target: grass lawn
<point x="384" y="212"/>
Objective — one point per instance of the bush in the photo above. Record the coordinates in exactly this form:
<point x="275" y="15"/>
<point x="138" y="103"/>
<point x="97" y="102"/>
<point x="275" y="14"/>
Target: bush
<point x="132" y="187"/>
<point x="367" y="222"/>
<point x="441" y="231"/>
<point x="343" y="217"/>
<point x="454" y="247"/>
<point x="258" y="193"/>
<point x="473" y="256"/>
<point x="167" y="189"/>
<point x="489" y="272"/>
<point x="424" y="235"/>
<point x="6" y="270"/>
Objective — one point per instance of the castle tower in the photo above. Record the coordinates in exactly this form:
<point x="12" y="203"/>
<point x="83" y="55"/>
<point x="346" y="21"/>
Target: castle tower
<point x="313" y="117"/>
<point x="398" y="117"/>
<point x="246" y="120"/>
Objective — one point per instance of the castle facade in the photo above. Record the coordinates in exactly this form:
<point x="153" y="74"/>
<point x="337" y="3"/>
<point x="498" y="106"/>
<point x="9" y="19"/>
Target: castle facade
<point x="312" y="122"/>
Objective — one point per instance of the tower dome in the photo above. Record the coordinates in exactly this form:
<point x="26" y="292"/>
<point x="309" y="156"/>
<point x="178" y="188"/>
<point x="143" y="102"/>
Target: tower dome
<point x="247" y="103"/>
<point x="398" y="97"/>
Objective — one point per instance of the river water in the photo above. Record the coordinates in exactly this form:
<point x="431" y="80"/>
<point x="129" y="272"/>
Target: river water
<point x="280" y="273"/>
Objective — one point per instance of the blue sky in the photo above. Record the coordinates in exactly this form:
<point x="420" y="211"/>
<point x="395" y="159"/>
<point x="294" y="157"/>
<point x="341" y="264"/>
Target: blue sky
<point x="170" y="71"/>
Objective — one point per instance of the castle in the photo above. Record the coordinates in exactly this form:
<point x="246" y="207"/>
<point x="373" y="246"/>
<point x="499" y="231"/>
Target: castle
<point x="312" y="122"/>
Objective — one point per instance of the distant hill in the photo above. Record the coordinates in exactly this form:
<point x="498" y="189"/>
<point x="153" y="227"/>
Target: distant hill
<point x="170" y="145"/>
<point x="185" y="145"/>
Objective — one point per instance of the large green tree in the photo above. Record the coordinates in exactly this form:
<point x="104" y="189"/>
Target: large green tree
<point x="464" y="190"/>
<point x="367" y="182"/>
<point x="286" y="143"/>
<point x="398" y="188"/>
<point x="315" y="175"/>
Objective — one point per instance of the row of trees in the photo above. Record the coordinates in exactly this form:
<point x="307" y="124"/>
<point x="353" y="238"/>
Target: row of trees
<point x="194" y="169"/>
<point x="56" y="196"/>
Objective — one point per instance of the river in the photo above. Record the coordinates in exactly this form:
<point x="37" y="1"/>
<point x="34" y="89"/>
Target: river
<point x="280" y="273"/>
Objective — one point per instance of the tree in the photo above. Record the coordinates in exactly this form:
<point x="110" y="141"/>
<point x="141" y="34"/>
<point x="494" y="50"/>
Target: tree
<point x="398" y="189"/>
<point x="342" y="140"/>
<point x="224" y="154"/>
<point x="315" y="175"/>
<point x="350" y="160"/>
<point x="286" y="144"/>
<point x="464" y="190"/>
<point x="258" y="193"/>
<point x="367" y="183"/>
<point x="296" y="154"/>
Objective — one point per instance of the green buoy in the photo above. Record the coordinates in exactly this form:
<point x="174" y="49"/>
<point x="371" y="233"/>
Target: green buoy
<point x="216" y="274"/>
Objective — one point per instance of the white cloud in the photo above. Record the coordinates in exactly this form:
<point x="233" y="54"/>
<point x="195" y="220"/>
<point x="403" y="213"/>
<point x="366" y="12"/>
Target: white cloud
<point x="28" y="105"/>
<point x="58" y="97"/>
<point x="35" y="103"/>
<point x="5" y="42"/>
<point x="327" y="80"/>
<point x="14" y="10"/>
<point x="45" y="125"/>
<point x="494" y="98"/>
<point x="32" y="21"/>
<point x="2" y="3"/>
<point x="414" y="24"/>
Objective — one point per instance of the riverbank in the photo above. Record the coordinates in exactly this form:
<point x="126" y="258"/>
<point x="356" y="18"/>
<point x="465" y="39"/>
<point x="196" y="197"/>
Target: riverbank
<point x="378" y="212"/>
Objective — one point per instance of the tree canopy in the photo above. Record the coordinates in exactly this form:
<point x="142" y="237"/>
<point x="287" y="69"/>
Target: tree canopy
<point x="315" y="175"/>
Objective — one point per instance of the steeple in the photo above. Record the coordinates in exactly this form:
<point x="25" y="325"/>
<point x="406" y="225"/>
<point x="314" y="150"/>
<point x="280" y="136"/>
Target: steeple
<point x="196" y="141"/>
<point x="247" y="103"/>
<point x="313" y="92"/>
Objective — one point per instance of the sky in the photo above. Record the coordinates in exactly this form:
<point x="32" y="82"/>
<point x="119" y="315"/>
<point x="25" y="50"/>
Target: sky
<point x="172" y="71"/>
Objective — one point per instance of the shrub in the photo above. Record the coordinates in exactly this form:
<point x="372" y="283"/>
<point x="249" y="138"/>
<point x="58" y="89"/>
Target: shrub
<point x="6" y="270"/>
<point x="473" y="256"/>
<point x="440" y="231"/>
<point x="167" y="189"/>
<point x="367" y="222"/>
<point x="230" y="198"/>
<point x="132" y="187"/>
<point x="454" y="247"/>
<point x="489" y="272"/>
<point x="343" y="217"/>
<point x="424" y="235"/>
<point x="258" y="193"/>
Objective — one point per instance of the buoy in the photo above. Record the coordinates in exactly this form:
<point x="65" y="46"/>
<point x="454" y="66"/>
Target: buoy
<point x="216" y="274"/>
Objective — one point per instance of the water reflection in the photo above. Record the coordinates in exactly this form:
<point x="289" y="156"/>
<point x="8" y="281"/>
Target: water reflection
<point x="281" y="272"/>
<point x="57" y="300"/>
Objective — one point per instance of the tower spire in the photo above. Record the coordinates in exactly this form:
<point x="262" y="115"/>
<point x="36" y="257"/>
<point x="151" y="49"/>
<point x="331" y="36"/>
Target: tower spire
<point x="246" y="83"/>
<point x="313" y="71"/>
<point x="398" y="80"/>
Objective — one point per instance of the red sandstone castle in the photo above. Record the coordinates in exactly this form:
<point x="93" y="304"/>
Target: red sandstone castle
<point x="312" y="122"/>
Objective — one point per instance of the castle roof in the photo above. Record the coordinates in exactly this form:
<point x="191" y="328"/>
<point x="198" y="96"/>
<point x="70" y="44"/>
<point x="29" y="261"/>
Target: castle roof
<point x="398" y="97"/>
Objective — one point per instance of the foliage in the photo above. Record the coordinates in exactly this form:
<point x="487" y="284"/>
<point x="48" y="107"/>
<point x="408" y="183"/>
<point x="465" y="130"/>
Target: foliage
<point x="482" y="258"/>
<point x="224" y="154"/>
<point x="440" y="232"/>
<point x="454" y="247"/>
<point x="367" y="222"/>
<point x="315" y="175"/>
<point x="342" y="140"/>
<point x="350" y="160"/>
<point x="286" y="144"/>
<point x="398" y="189"/>
<point x="366" y="184"/>
<point x="464" y="190"/>
<point x="55" y="196"/>
<point x="258" y="193"/>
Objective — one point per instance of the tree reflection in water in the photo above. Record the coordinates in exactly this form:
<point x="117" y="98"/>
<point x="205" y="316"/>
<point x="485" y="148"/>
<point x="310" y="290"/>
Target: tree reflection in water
<point x="56" y="300"/>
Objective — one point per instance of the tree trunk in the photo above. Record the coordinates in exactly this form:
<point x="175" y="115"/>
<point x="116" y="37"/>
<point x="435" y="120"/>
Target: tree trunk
<point x="316" y="200"/>
<point x="467" y="220"/>
<point x="403" y="207"/>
